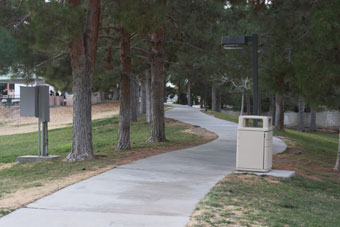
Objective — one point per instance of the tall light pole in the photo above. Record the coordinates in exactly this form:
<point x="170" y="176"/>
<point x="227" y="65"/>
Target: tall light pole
<point x="237" y="42"/>
<point x="255" y="75"/>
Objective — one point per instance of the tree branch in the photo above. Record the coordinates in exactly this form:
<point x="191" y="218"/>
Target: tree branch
<point x="142" y="50"/>
<point x="63" y="41"/>
<point x="142" y="57"/>
<point x="115" y="38"/>
<point x="133" y="35"/>
<point x="187" y="44"/>
<point x="19" y="6"/>
<point x="55" y="57"/>
<point x="19" y="23"/>
<point x="117" y="29"/>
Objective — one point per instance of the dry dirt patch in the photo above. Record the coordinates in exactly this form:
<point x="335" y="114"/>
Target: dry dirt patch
<point x="11" y="122"/>
<point x="5" y="165"/>
<point x="307" y="169"/>
<point x="206" y="215"/>
<point x="201" y="132"/>
<point x="25" y="196"/>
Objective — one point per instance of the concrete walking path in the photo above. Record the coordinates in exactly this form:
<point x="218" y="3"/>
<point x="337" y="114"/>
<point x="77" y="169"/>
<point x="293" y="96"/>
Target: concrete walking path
<point x="161" y="190"/>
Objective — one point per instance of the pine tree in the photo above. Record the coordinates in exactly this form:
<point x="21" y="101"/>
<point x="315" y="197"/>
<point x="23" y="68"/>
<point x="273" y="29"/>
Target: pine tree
<point x="13" y="36"/>
<point x="157" y="86"/>
<point x="61" y="29"/>
<point x="125" y="99"/>
<point x="83" y="56"/>
<point x="194" y="43"/>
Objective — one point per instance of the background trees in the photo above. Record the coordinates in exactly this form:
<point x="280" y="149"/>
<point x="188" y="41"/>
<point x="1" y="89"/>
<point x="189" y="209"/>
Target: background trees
<point x="155" y="42"/>
<point x="54" y="30"/>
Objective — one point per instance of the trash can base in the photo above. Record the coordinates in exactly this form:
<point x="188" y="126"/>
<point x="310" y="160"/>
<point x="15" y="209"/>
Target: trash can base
<point x="253" y="170"/>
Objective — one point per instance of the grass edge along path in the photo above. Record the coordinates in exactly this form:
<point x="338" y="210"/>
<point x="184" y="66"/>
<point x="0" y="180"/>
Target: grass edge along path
<point x="222" y="116"/>
<point x="25" y="183"/>
<point x="309" y="199"/>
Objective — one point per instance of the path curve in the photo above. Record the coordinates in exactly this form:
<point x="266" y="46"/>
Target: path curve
<point x="161" y="190"/>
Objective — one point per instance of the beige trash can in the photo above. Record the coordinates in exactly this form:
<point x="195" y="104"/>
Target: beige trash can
<point x="254" y="144"/>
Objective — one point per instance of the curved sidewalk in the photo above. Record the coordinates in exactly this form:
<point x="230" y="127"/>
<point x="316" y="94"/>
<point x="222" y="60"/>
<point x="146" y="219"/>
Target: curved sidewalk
<point x="161" y="190"/>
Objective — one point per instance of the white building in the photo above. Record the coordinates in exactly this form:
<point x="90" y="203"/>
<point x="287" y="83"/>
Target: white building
<point x="10" y="88"/>
<point x="10" y="92"/>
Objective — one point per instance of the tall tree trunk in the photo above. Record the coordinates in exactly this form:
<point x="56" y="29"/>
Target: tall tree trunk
<point x="213" y="98"/>
<point x="279" y="112"/>
<point x="83" y="56"/>
<point x="337" y="163"/>
<point x="242" y="102"/>
<point x="125" y="100"/>
<point x="133" y="97"/>
<point x="165" y="95"/>
<point x="115" y="93"/>
<point x="101" y="96"/>
<point x="301" y="118"/>
<point x="148" y="94"/>
<point x="272" y="108"/>
<point x="142" y="108"/>
<point x="179" y="101"/>
<point x="157" y="87"/>
<point x="189" y="93"/>
<point x="218" y="101"/>
<point x="82" y="147"/>
<point x="138" y="96"/>
<point x="248" y="103"/>
<point x="312" y="120"/>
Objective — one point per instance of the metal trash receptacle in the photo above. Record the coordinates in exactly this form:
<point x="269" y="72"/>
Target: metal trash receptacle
<point x="254" y="144"/>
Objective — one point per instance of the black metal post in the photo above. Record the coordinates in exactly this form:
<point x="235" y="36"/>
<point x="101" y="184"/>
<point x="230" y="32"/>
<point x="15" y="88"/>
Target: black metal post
<point x="255" y="78"/>
<point x="237" y="41"/>
<point x="39" y="137"/>
<point x="45" y="139"/>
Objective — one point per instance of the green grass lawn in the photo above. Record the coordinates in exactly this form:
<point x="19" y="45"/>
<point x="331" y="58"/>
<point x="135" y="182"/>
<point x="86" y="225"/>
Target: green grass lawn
<point x="311" y="198"/>
<point x="33" y="175"/>
<point x="223" y="116"/>
<point x="264" y="201"/>
<point x="318" y="148"/>
<point x="104" y="138"/>
<point x="227" y="117"/>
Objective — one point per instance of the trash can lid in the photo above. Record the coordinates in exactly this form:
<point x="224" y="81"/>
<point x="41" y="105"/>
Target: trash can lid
<point x="265" y="123"/>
